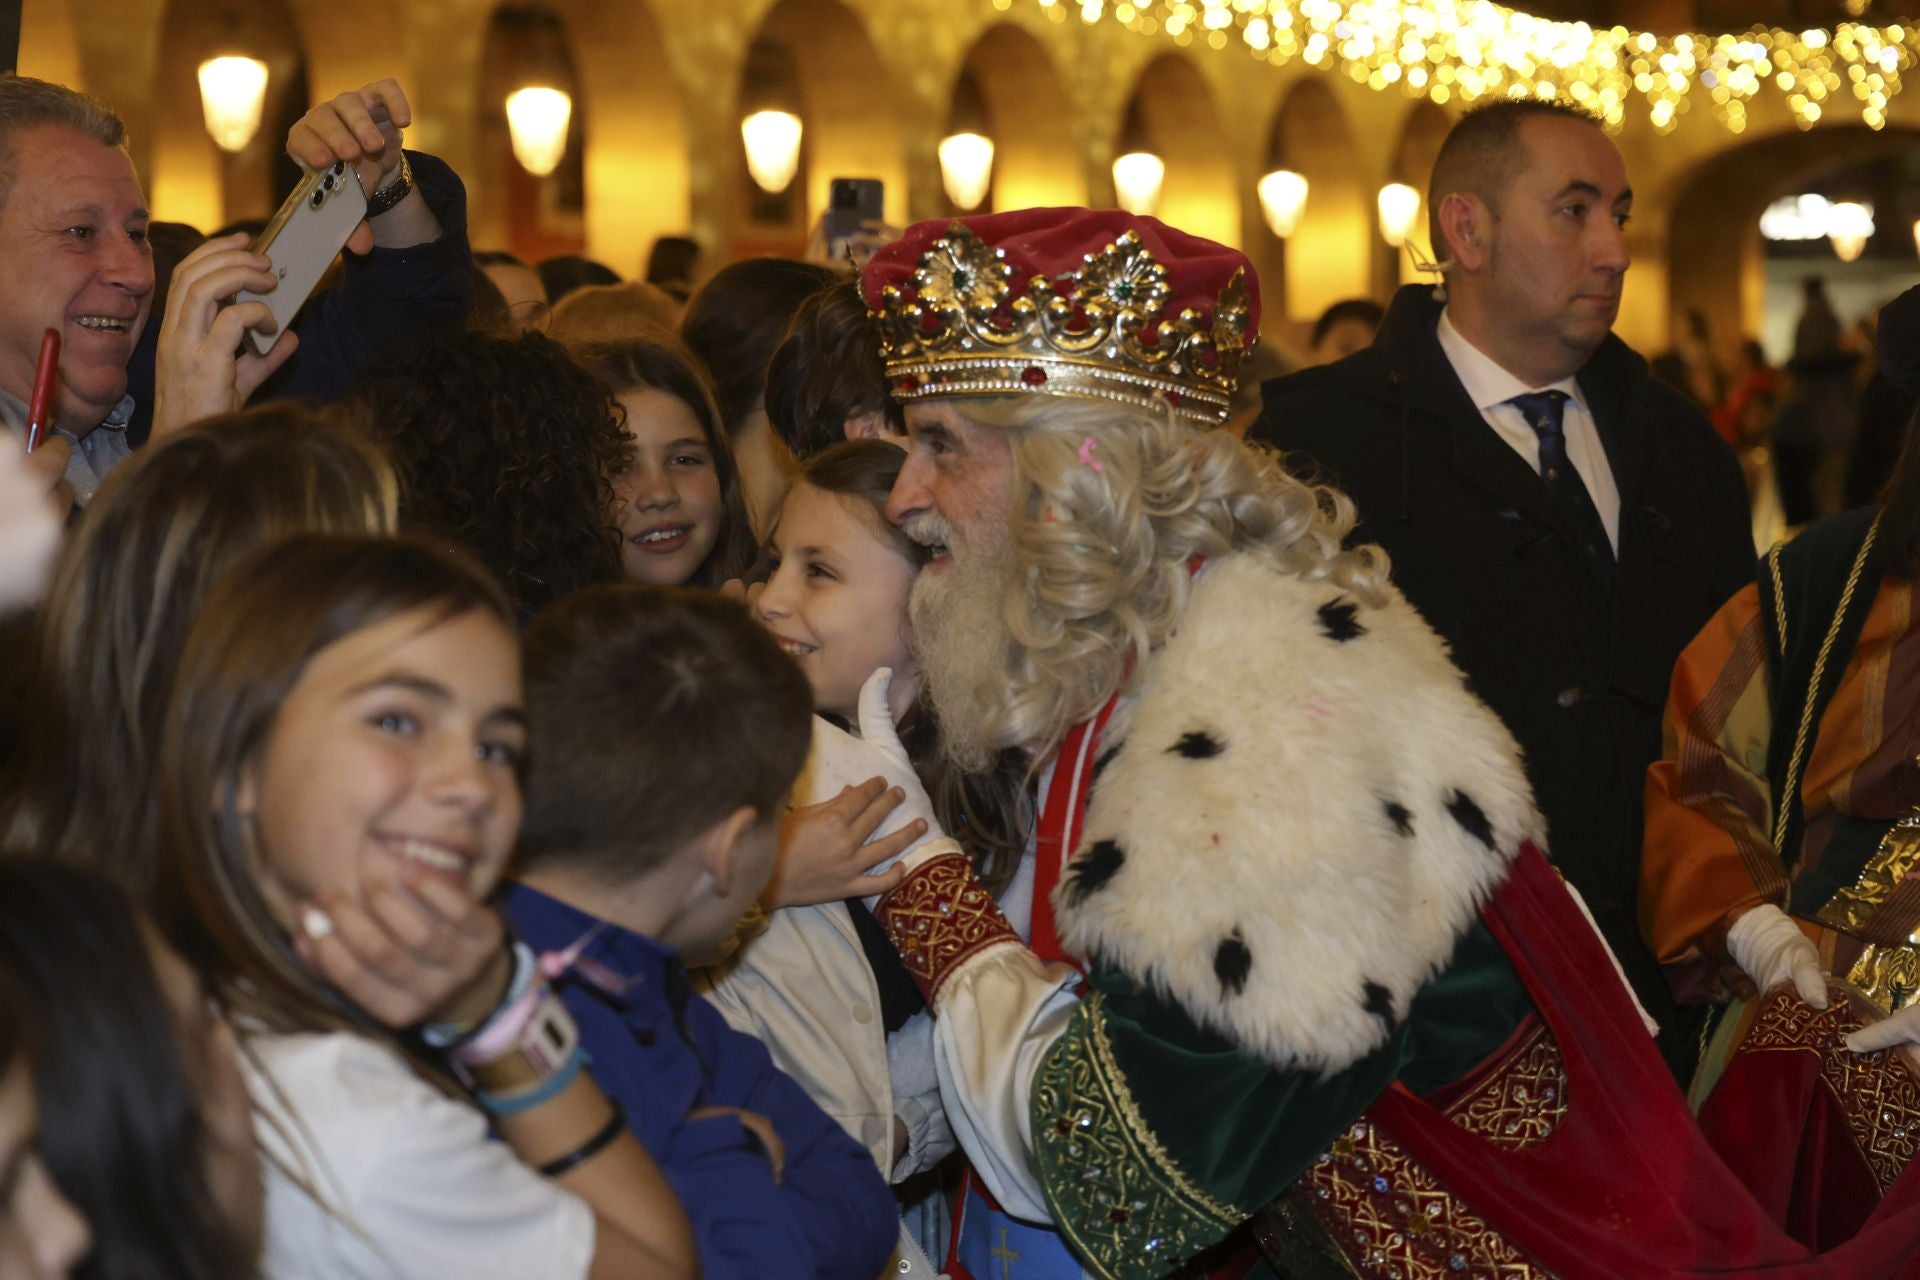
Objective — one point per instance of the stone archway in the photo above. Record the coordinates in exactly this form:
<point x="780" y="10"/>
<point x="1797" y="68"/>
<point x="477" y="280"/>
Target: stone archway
<point x="1201" y="193"/>
<point x="189" y="179"/>
<point x="847" y="105"/>
<point x="1714" y="257"/>
<point x="626" y="179"/>
<point x="1032" y="167"/>
<point x="1329" y="256"/>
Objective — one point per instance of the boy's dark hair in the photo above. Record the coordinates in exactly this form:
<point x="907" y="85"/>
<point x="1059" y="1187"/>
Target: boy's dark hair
<point x="652" y="714"/>
<point x="826" y="370"/>
<point x="1483" y="153"/>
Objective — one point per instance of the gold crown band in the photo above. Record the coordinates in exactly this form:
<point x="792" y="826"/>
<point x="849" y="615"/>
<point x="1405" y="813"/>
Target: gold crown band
<point x="1100" y="332"/>
<point x="1051" y="376"/>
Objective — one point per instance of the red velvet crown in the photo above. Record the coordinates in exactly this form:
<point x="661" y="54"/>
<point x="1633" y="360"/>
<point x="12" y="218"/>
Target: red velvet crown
<point x="1074" y="302"/>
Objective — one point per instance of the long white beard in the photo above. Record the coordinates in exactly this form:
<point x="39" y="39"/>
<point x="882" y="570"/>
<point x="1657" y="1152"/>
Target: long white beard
<point x="961" y="637"/>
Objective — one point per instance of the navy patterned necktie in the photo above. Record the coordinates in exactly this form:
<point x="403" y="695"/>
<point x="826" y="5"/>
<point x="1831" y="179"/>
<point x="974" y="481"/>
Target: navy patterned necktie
<point x="1545" y="412"/>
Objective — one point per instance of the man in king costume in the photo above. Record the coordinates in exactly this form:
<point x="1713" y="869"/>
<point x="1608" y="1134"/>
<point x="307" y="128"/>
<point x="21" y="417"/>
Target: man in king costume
<point x="1295" y="990"/>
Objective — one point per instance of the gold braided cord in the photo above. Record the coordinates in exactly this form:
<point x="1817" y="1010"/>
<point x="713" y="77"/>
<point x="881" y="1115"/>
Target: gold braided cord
<point x="1464" y="50"/>
<point x="1797" y="762"/>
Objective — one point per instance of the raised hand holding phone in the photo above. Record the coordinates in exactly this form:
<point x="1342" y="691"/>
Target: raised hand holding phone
<point x="363" y="129"/>
<point x="201" y="366"/>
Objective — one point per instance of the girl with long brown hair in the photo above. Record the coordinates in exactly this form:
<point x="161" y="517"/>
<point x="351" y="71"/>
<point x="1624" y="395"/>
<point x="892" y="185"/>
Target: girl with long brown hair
<point x="339" y="797"/>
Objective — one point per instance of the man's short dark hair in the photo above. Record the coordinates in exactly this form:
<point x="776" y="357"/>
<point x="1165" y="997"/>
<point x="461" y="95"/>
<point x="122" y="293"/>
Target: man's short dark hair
<point x="1483" y="153"/>
<point x="27" y="103"/>
<point x="1357" y="310"/>
<point x="826" y="370"/>
<point x="653" y="713"/>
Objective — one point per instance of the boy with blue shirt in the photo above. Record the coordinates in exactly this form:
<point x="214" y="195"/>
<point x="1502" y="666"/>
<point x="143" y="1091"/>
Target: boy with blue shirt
<point x="665" y="731"/>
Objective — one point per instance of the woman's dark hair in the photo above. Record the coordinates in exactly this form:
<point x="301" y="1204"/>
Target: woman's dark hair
<point x="828" y="369"/>
<point x="664" y="365"/>
<point x="569" y="271"/>
<point x="125" y="590"/>
<point x="988" y="812"/>
<point x="509" y="448"/>
<point x="737" y="319"/>
<point x="121" y="1128"/>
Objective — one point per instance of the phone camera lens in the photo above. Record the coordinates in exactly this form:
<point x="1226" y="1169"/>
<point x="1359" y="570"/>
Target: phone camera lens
<point x="339" y="167"/>
<point x="317" y="199"/>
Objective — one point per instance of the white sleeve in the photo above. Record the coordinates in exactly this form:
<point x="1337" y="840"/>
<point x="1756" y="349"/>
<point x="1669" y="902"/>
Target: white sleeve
<point x="916" y="1097"/>
<point x="995" y="1019"/>
<point x="412" y="1185"/>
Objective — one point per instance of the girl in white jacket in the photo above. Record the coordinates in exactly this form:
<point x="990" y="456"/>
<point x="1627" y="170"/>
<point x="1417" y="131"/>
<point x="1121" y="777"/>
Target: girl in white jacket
<point x="820" y="985"/>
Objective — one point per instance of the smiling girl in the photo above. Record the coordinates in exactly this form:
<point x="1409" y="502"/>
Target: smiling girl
<point x="340" y="796"/>
<point x="819" y="986"/>
<point x="678" y="505"/>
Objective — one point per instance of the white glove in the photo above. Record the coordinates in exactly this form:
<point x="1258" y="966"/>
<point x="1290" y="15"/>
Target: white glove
<point x="1894" y="1029"/>
<point x="29" y="526"/>
<point x="840" y="760"/>
<point x="1770" y="949"/>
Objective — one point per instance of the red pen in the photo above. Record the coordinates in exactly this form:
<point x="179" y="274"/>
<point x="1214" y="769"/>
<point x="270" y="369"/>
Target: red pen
<point x="42" y="389"/>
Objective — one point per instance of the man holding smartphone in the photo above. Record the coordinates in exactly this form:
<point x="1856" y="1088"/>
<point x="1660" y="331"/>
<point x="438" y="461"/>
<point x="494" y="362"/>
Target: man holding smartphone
<point x="73" y="248"/>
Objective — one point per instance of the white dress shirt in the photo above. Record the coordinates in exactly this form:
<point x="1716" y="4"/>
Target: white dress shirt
<point x="1490" y="387"/>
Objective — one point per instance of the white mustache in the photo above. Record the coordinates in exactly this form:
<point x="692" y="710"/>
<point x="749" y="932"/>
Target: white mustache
<point x="929" y="529"/>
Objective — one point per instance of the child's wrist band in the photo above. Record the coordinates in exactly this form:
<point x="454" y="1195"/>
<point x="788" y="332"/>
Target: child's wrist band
<point x="592" y="1147"/>
<point x="514" y="1104"/>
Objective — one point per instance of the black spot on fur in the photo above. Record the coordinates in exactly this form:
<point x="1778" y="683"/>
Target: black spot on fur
<point x="1106" y="758"/>
<point x="1380" y="1003"/>
<point x="1198" y="745"/>
<point x="1400" y="816"/>
<point x="1338" y="618"/>
<point x="1093" y="869"/>
<point x="1471" y="818"/>
<point x="1231" y="964"/>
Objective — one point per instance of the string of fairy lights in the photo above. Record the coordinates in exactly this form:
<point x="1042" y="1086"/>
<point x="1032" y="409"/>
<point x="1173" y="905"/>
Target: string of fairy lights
<point x="1461" y="50"/>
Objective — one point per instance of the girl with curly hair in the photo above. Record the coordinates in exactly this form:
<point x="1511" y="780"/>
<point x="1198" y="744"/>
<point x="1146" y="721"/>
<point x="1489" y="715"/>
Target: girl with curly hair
<point x="509" y="448"/>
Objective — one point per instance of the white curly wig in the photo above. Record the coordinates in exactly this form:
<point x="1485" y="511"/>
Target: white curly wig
<point x="1104" y="550"/>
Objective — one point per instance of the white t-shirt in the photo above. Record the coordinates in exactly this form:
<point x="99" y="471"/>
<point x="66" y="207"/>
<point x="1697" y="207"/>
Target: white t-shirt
<point x="410" y="1186"/>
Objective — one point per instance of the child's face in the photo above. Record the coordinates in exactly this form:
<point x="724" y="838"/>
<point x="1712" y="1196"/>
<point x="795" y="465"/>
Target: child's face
<point x="395" y="759"/>
<point x="668" y="504"/>
<point x="837" y="600"/>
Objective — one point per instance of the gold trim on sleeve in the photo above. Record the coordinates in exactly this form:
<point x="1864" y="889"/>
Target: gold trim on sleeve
<point x="1129" y="1211"/>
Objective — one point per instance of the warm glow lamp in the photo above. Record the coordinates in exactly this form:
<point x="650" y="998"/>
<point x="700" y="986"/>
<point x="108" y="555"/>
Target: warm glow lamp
<point x="537" y="118"/>
<point x="1399" y="206"/>
<point x="1137" y="177"/>
<point x="232" y="90"/>
<point x="773" y="148"/>
<point x="966" y="168"/>
<point x="1283" y="195"/>
<point x="1849" y="227"/>
<point x="1916" y="235"/>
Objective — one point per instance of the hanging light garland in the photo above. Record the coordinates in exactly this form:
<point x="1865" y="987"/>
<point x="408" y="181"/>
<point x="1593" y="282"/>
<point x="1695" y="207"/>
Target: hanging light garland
<point x="1464" y="50"/>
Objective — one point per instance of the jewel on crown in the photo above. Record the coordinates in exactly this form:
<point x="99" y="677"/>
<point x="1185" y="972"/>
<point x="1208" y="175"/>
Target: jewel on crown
<point x="963" y="325"/>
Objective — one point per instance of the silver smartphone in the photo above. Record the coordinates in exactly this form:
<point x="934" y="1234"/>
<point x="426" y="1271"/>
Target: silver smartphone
<point x="302" y="241"/>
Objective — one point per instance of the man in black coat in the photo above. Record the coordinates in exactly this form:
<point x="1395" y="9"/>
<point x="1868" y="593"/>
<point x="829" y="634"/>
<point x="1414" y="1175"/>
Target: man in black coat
<point x="1564" y="521"/>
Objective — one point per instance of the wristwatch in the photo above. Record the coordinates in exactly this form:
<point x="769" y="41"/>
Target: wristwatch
<point x="393" y="190"/>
